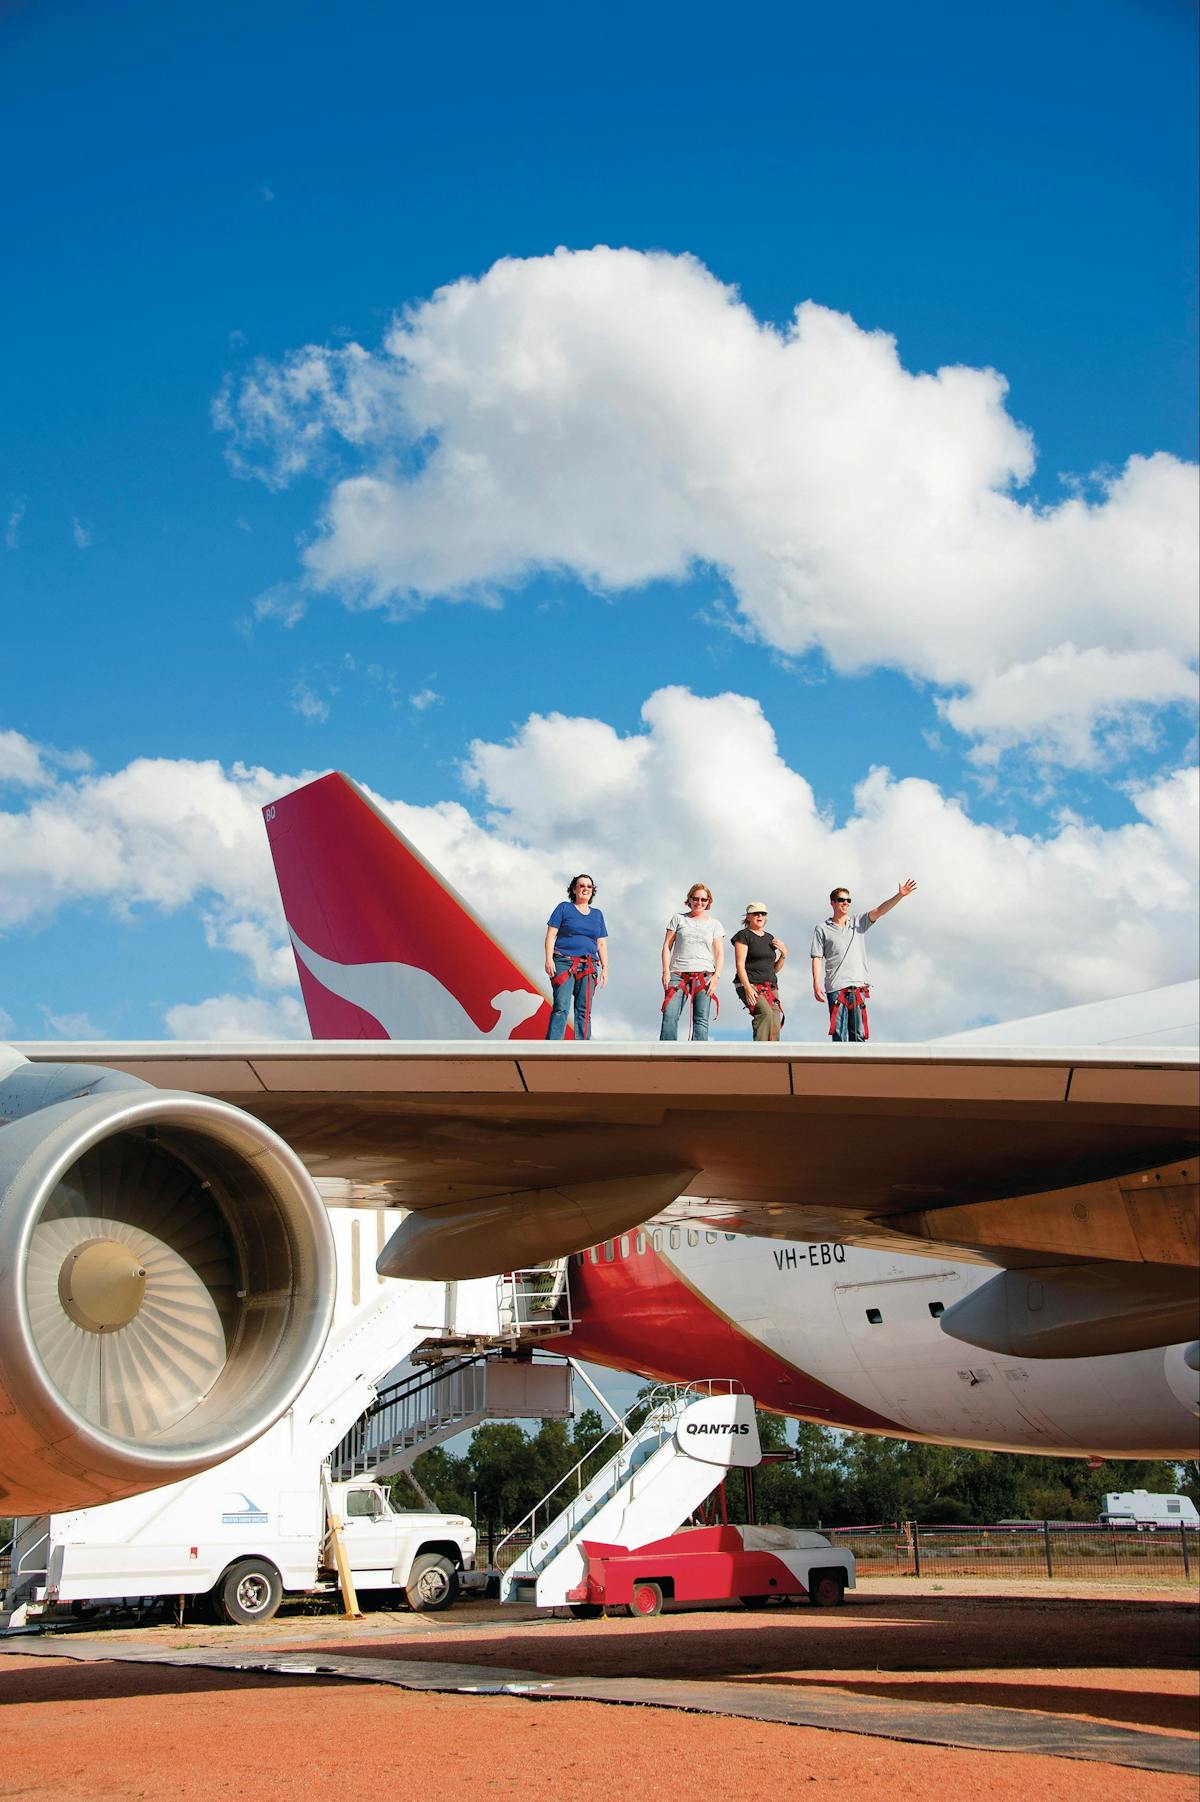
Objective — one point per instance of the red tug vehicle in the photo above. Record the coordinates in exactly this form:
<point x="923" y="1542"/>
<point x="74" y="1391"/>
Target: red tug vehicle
<point x="621" y="1546"/>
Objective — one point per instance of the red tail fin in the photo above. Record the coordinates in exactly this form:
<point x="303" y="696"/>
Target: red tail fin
<point x="384" y="946"/>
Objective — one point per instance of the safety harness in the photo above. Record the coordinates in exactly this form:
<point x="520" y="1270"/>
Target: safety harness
<point x="584" y="966"/>
<point x="844" y="1000"/>
<point x="767" y="991"/>
<point x="691" y="983"/>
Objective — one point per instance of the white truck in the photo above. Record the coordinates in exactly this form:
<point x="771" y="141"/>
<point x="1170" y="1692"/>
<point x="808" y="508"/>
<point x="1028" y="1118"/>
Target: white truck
<point x="246" y="1543"/>
<point x="1145" y="1508"/>
<point x="254" y="1529"/>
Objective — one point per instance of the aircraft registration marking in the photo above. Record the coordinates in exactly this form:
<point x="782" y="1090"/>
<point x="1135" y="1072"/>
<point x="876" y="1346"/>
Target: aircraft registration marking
<point x="792" y="1257"/>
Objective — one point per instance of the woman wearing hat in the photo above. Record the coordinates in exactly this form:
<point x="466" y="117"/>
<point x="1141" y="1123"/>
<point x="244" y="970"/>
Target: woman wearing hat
<point x="760" y="957"/>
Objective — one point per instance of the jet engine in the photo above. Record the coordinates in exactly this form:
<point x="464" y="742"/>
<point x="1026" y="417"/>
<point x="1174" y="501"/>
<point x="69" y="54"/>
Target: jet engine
<point x="166" y="1284"/>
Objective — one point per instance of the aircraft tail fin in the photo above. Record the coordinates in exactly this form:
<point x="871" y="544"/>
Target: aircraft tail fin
<point x="384" y="947"/>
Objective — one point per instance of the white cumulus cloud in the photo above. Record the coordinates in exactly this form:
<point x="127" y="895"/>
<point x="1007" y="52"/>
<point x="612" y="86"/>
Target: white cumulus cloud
<point x="1004" y="924"/>
<point x="21" y="762"/>
<point x="308" y="704"/>
<point x="161" y="834"/>
<point x="1072" y="707"/>
<point x="625" y="417"/>
<point x="228" y="1017"/>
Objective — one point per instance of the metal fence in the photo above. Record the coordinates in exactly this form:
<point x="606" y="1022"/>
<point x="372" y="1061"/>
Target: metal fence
<point x="1030" y="1549"/>
<point x="1033" y="1549"/>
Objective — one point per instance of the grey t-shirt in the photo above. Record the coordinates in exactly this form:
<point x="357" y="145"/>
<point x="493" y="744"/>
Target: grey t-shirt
<point x="693" y="947"/>
<point x="844" y="952"/>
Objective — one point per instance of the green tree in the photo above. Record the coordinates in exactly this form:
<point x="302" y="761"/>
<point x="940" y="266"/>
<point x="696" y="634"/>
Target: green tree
<point x="820" y="1475"/>
<point x="874" y="1480"/>
<point x="445" y="1479"/>
<point x="502" y="1478"/>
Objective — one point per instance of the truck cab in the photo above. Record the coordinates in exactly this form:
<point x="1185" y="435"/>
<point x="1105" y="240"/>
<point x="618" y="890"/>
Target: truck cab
<point x="423" y="1554"/>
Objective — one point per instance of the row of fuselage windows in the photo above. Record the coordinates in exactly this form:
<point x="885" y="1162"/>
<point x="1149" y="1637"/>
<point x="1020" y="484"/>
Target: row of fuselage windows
<point x="637" y="1244"/>
<point x="671" y="1238"/>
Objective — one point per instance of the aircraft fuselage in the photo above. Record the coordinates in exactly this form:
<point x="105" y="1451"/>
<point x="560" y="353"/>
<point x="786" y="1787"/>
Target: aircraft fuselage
<point x="851" y="1338"/>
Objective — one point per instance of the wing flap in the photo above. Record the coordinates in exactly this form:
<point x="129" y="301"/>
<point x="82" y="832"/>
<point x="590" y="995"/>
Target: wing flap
<point x="1150" y="1217"/>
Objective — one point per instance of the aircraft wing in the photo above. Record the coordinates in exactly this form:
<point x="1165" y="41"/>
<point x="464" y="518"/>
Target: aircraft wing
<point x="886" y="1144"/>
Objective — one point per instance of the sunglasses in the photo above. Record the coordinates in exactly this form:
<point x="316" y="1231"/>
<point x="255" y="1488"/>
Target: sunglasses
<point x="757" y="913"/>
<point x="844" y="898"/>
<point x="706" y="899"/>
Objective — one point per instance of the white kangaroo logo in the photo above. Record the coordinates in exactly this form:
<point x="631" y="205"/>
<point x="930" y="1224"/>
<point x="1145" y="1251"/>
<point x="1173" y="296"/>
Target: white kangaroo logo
<point x="410" y="1003"/>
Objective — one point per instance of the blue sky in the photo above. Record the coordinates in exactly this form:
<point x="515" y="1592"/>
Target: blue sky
<point x="196" y="195"/>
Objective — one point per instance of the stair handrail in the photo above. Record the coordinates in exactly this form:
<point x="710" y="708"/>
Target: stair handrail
<point x="659" y="1413"/>
<point x="18" y="1568"/>
<point x="419" y="1380"/>
<point x="400" y="1397"/>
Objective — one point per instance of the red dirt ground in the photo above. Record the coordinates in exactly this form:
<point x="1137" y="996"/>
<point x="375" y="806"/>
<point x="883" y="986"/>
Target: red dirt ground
<point x="110" y="1732"/>
<point x="129" y="1733"/>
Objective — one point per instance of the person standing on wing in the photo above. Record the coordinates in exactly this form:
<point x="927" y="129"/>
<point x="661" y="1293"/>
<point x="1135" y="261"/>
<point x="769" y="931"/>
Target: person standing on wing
<point x="693" y="956"/>
<point x="839" y="963"/>
<point x="576" y="957"/>
<point x="760" y="957"/>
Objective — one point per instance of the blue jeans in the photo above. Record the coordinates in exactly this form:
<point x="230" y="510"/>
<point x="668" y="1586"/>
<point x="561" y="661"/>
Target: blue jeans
<point x="575" y="988"/>
<point x="701" y="1009"/>
<point x="848" y="1023"/>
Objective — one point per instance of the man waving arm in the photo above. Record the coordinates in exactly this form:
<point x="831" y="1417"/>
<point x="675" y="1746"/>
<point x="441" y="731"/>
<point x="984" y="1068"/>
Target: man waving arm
<point x="885" y="907"/>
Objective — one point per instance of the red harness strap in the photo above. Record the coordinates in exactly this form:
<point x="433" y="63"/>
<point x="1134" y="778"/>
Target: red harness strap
<point x="692" y="983"/>
<point x="769" y="993"/>
<point x="848" y="998"/>
<point x="584" y="966"/>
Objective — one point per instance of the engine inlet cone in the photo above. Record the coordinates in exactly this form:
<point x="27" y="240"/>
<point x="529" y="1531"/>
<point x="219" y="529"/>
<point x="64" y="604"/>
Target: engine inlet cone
<point x="101" y="1285"/>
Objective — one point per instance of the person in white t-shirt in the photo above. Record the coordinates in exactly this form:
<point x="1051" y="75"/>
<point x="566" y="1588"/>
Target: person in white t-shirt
<point x="693" y="955"/>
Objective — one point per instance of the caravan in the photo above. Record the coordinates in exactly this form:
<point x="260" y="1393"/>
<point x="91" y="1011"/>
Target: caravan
<point x="1143" y="1508"/>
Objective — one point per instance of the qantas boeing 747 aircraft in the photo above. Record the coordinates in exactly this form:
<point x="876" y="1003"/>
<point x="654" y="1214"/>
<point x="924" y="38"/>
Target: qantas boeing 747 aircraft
<point x="985" y="1243"/>
<point x="821" y="1328"/>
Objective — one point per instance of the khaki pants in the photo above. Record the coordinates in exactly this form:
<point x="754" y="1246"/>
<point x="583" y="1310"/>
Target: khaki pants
<point x="766" y="1020"/>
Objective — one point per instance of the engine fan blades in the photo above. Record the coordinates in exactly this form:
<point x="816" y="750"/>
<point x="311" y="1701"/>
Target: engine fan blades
<point x="131" y="1269"/>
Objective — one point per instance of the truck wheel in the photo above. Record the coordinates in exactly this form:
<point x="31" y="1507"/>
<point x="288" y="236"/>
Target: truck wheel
<point x="432" y="1583"/>
<point x="249" y="1593"/>
<point x="826" y="1588"/>
<point x="647" y="1601"/>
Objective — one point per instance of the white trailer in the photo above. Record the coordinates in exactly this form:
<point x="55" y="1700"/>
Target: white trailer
<point x="254" y="1529"/>
<point x="1145" y="1508"/>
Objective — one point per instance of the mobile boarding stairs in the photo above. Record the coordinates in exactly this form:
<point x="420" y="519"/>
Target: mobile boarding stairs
<point x="619" y="1543"/>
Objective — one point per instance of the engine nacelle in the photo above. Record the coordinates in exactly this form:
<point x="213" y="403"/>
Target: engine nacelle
<point x="1077" y="1310"/>
<point x="166" y="1284"/>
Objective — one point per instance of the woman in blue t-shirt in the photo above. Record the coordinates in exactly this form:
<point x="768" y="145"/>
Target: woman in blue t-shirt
<point x="576" y="957"/>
